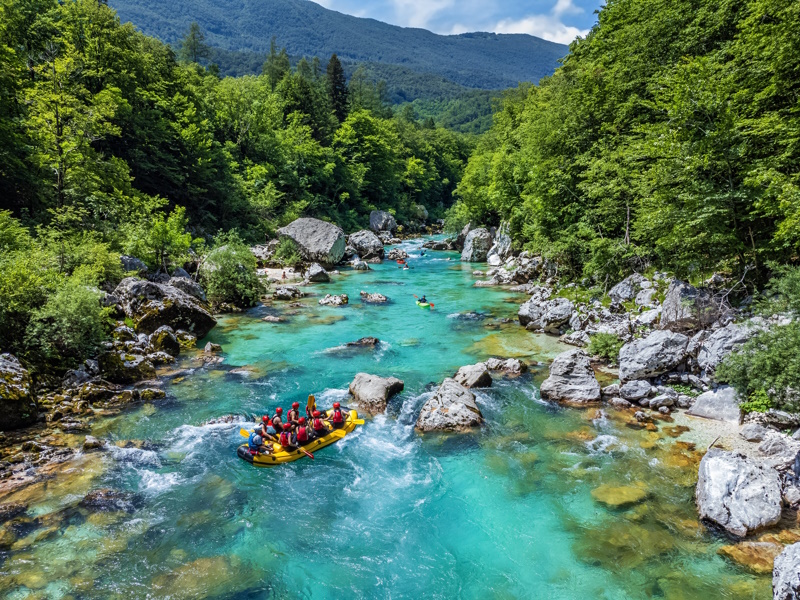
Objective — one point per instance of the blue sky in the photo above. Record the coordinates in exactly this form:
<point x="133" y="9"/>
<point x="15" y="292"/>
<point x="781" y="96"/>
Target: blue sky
<point x="555" y="20"/>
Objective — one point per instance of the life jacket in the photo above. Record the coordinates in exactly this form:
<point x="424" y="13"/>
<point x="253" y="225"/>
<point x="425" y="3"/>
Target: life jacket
<point x="276" y="427"/>
<point x="338" y="417"/>
<point x="285" y="439"/>
<point x="318" y="425"/>
<point x="292" y="416"/>
<point x="250" y="443"/>
<point x="302" y="434"/>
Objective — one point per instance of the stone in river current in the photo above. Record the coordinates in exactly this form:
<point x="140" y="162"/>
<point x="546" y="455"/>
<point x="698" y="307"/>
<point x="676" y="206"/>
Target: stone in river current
<point x="451" y="408"/>
<point x="619" y="496"/>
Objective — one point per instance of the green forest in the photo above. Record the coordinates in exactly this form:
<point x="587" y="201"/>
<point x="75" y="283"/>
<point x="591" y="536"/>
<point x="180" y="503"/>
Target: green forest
<point x="669" y="137"/>
<point x="111" y="142"/>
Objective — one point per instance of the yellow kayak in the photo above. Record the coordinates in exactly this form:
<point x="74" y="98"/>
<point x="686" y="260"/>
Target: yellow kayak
<point x="280" y="456"/>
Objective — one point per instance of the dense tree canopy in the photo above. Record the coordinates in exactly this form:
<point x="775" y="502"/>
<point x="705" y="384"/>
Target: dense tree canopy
<point x="668" y="137"/>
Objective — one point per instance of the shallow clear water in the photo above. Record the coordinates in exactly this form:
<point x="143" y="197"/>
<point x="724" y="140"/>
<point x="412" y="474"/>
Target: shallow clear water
<point x="503" y="513"/>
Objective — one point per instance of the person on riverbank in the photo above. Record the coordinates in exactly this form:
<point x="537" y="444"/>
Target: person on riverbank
<point x="287" y="440"/>
<point x="318" y="425"/>
<point x="338" y="416"/>
<point x="293" y="416"/>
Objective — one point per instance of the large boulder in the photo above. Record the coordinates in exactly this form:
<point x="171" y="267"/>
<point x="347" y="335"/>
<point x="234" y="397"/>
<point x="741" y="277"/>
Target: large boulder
<point x="366" y="244"/>
<point x="189" y="286"/>
<point x="659" y="352"/>
<point x="476" y="245"/>
<point x="120" y="367"/>
<point x="737" y="493"/>
<point x="786" y="574"/>
<point x="151" y="305"/>
<point x="451" y="408"/>
<point x="131" y="264"/>
<point x="372" y="393"/>
<point x="721" y="404"/>
<point x="545" y="315"/>
<point x="626" y="289"/>
<point x="380" y="220"/>
<point x="635" y="390"/>
<point x="721" y="343"/>
<point x="501" y="249"/>
<point x="317" y="240"/>
<point x="472" y="376"/>
<point x="17" y="405"/>
<point x="687" y="308"/>
<point x="317" y="274"/>
<point x="571" y="379"/>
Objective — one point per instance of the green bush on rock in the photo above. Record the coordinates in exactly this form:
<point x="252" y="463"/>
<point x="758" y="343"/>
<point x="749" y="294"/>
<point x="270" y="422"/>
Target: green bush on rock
<point x="605" y="345"/>
<point x="229" y="272"/>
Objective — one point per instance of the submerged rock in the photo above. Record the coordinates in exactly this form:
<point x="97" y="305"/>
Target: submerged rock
<point x="757" y="557"/>
<point x="109" y="500"/>
<point x="373" y="393"/>
<point x="472" y="376"/>
<point x="317" y="240"/>
<point x="17" y="405"/>
<point x="737" y="493"/>
<point x="451" y="408"/>
<point x="619" y="496"/>
<point x="571" y="379"/>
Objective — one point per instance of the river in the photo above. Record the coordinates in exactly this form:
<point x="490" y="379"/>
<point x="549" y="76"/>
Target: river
<point x="506" y="512"/>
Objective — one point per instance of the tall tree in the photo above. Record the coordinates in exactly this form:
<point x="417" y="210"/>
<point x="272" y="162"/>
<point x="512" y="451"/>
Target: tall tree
<point x="337" y="88"/>
<point x="193" y="45"/>
<point x="277" y="65"/>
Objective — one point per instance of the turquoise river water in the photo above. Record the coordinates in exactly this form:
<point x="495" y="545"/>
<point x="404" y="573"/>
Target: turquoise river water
<point x="502" y="513"/>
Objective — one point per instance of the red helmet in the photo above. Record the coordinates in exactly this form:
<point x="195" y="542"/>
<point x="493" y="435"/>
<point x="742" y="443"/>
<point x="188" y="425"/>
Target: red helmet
<point x="335" y="405"/>
<point x="317" y="413"/>
<point x="302" y="420"/>
<point x="279" y="410"/>
<point x="265" y="419"/>
<point x="286" y="426"/>
<point x="295" y="405"/>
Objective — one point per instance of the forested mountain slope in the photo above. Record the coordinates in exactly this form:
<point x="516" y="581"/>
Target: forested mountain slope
<point x="475" y="60"/>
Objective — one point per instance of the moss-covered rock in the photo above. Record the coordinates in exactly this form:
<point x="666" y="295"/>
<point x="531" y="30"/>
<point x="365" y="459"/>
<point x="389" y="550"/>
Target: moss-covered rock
<point x="17" y="405"/>
<point x="119" y="367"/>
<point x="164" y="339"/>
<point x="152" y="305"/>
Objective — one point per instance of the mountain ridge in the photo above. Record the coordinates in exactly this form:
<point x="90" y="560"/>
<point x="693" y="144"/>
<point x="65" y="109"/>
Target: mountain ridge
<point x="477" y="60"/>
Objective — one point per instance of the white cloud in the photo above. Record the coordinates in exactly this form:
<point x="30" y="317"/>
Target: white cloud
<point x="566" y="7"/>
<point x="546" y="27"/>
<point x="418" y="13"/>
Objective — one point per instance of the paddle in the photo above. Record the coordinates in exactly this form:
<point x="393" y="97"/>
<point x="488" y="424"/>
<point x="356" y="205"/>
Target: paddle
<point x="359" y="421"/>
<point x="417" y="297"/>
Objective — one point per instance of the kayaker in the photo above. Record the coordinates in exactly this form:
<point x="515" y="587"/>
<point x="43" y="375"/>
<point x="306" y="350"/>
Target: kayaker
<point x="302" y="432"/>
<point x="277" y="422"/>
<point x="338" y="416"/>
<point x="288" y="441"/>
<point x="318" y="425"/>
<point x="293" y="415"/>
<point x="423" y="300"/>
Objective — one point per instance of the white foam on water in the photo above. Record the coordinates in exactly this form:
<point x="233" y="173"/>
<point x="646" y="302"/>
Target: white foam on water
<point x="154" y="484"/>
<point x="136" y="456"/>
<point x="603" y="443"/>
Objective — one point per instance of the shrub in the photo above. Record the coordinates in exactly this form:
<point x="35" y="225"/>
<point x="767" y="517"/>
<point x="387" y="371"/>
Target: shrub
<point x="758" y="401"/>
<point x="229" y="272"/>
<point x="161" y="240"/>
<point x="287" y="254"/>
<point x="605" y="345"/>
<point x="69" y="327"/>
